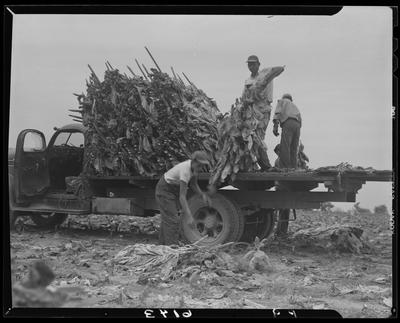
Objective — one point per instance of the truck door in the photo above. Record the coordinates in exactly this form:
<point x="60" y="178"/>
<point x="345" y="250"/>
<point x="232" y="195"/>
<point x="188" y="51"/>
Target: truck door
<point x="31" y="174"/>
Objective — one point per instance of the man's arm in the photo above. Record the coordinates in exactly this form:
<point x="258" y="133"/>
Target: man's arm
<point x="183" y="201"/>
<point x="194" y="185"/>
<point x="276" y="118"/>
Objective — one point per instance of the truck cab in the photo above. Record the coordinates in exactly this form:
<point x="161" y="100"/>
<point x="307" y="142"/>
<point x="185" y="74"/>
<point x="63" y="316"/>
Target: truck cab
<point x="38" y="169"/>
<point x="37" y="173"/>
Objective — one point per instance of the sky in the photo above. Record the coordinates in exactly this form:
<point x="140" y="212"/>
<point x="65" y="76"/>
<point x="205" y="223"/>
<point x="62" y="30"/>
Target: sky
<point x="338" y="70"/>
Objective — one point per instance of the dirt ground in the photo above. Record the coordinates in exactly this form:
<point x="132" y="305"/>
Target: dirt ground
<point x="355" y="285"/>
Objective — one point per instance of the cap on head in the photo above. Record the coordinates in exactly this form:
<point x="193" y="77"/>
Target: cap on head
<point x="287" y="96"/>
<point x="253" y="58"/>
<point x="201" y="157"/>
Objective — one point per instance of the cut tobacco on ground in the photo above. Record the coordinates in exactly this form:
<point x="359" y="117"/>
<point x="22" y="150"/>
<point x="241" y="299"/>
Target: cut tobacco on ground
<point x="93" y="269"/>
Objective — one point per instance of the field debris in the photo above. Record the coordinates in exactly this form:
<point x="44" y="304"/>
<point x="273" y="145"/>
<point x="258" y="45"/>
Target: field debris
<point x="160" y="263"/>
<point x="332" y="238"/>
<point x="346" y="167"/>
<point x="34" y="289"/>
<point x="83" y="262"/>
<point x="258" y="259"/>
<point x="118" y="224"/>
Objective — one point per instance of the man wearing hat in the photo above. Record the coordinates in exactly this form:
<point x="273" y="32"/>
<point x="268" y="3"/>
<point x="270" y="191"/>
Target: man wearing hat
<point x="263" y="106"/>
<point x="288" y="116"/>
<point x="171" y="193"/>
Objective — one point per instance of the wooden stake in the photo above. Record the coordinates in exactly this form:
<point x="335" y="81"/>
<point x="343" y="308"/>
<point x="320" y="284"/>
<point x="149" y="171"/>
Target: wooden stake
<point x="76" y="117"/>
<point x="110" y="65"/>
<point x="183" y="83"/>
<point x="94" y="74"/>
<point x="147" y="72"/>
<point x="173" y="72"/>
<point x="159" y="69"/>
<point x="130" y="70"/>
<point x="141" y="69"/>
<point x="72" y="110"/>
<point x="189" y="81"/>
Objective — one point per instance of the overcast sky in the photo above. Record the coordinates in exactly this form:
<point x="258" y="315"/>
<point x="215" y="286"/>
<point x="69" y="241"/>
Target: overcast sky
<point x="338" y="70"/>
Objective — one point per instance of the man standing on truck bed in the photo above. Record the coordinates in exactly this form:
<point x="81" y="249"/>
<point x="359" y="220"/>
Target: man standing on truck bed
<point x="262" y="107"/>
<point x="288" y="116"/>
<point x="171" y="192"/>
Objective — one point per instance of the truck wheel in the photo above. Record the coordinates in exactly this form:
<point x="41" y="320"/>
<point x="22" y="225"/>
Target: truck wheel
<point x="259" y="224"/>
<point x="48" y="220"/>
<point x="283" y="222"/>
<point x="221" y="223"/>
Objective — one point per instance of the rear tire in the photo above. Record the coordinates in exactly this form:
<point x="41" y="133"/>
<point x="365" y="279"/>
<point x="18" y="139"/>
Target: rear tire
<point x="259" y="224"/>
<point x="48" y="220"/>
<point x="222" y="222"/>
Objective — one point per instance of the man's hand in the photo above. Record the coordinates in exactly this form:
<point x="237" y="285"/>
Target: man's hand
<point x="190" y="222"/>
<point x="275" y="130"/>
<point x="206" y="199"/>
<point x="191" y="225"/>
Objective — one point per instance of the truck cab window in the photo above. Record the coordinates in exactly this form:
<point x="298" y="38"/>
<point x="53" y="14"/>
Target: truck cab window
<point x="70" y="139"/>
<point x="33" y="142"/>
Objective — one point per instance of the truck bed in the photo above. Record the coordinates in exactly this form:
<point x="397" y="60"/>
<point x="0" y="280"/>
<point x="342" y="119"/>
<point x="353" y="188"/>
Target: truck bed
<point x="320" y="176"/>
<point x="334" y="180"/>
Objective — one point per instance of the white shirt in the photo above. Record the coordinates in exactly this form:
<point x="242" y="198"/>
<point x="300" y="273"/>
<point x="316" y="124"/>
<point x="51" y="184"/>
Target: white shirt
<point x="286" y="109"/>
<point x="180" y="172"/>
<point x="266" y="94"/>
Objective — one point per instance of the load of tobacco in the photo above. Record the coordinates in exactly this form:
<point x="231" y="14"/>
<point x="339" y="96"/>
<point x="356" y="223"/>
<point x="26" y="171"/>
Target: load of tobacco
<point x="144" y="126"/>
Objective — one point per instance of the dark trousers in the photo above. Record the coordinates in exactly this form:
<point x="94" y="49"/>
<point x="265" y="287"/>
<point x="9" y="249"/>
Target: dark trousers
<point x="167" y="197"/>
<point x="289" y="143"/>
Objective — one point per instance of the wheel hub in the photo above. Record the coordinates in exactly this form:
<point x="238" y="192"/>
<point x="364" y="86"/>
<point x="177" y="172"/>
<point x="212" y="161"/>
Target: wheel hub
<point x="208" y="222"/>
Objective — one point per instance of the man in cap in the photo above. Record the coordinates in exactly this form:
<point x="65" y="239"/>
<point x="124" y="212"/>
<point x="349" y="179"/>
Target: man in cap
<point x="171" y="193"/>
<point x="288" y="116"/>
<point x="262" y="106"/>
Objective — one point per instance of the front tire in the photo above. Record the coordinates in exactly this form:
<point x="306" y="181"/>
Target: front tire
<point x="220" y="223"/>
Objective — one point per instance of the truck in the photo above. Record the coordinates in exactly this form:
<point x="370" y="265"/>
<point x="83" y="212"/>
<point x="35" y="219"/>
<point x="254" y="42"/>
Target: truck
<point x="249" y="209"/>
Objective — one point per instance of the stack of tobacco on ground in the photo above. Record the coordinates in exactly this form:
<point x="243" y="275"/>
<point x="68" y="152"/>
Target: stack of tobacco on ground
<point x="144" y="125"/>
<point x="241" y="134"/>
<point x="165" y="263"/>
